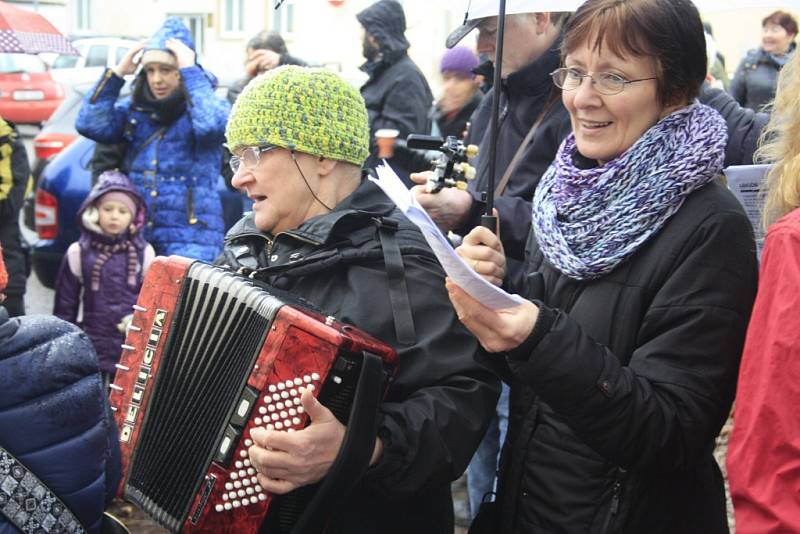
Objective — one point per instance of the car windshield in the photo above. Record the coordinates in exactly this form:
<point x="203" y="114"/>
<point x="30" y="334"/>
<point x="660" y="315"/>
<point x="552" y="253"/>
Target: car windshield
<point x="65" y="62"/>
<point x="11" y="63"/>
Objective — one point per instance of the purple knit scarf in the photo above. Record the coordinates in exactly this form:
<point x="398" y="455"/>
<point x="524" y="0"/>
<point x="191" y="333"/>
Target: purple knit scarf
<point x="588" y="221"/>
<point x="109" y="249"/>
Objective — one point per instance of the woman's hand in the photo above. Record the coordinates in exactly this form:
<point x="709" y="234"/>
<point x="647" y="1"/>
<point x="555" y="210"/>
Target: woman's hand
<point x="483" y="251"/>
<point x="127" y="65"/>
<point x="183" y="53"/>
<point x="496" y="330"/>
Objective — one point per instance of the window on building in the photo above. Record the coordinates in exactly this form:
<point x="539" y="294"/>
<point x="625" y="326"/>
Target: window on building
<point x="283" y="18"/>
<point x="197" y="27"/>
<point x="233" y="16"/>
<point x="83" y="15"/>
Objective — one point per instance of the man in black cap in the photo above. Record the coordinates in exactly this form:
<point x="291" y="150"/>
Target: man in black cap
<point x="396" y="94"/>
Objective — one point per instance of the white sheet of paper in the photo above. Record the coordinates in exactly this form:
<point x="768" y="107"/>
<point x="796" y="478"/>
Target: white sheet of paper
<point x="746" y="182"/>
<point x="490" y="295"/>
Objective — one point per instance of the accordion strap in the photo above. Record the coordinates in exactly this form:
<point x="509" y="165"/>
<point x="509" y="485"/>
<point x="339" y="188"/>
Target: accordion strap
<point x="356" y="451"/>
<point x="28" y="503"/>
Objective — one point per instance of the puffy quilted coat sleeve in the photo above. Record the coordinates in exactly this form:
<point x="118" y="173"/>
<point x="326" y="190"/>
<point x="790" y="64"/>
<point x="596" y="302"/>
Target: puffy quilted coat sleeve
<point x="209" y="114"/>
<point x="68" y="289"/>
<point x="764" y="451"/>
<point x="54" y="414"/>
<point x="101" y="117"/>
<point x="739" y="83"/>
<point x="660" y="411"/>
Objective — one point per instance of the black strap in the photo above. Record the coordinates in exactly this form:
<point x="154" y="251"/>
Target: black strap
<point x="29" y="504"/>
<point x="355" y="453"/>
<point x="398" y="289"/>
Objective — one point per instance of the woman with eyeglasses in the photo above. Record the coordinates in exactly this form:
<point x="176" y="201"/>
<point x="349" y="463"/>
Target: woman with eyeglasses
<point x="640" y="276"/>
<point x="173" y="126"/>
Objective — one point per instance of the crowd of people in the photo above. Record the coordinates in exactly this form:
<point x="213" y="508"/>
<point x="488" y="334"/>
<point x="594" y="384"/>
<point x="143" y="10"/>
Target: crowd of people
<point x="592" y="406"/>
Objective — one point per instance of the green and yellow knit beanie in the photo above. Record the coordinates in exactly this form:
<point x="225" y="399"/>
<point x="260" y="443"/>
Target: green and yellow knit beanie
<point x="308" y="110"/>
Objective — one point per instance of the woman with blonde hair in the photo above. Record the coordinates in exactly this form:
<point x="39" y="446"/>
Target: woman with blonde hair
<point x="764" y="451"/>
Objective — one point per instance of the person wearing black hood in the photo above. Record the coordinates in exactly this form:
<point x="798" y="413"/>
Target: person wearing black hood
<point x="397" y="95"/>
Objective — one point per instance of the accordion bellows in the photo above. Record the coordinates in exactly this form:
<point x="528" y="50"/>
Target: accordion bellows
<point x="210" y="355"/>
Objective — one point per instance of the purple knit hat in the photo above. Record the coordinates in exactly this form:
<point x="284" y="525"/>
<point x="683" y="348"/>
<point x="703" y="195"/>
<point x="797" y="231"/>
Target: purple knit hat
<point x="459" y="59"/>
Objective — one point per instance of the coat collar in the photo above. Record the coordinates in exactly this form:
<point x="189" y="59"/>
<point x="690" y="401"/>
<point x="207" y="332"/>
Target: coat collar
<point x="534" y="79"/>
<point x="367" y="201"/>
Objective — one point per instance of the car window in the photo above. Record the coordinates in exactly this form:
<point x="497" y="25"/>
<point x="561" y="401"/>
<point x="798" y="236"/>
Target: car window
<point x="97" y="56"/>
<point x="121" y="51"/>
<point x="65" y="62"/>
<point x="21" y="63"/>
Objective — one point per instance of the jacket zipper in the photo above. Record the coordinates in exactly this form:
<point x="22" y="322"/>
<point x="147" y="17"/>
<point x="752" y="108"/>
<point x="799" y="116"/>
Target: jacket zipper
<point x="616" y="491"/>
<point x="192" y="219"/>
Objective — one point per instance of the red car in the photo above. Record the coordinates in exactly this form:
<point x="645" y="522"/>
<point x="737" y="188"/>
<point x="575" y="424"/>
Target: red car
<point x="28" y="94"/>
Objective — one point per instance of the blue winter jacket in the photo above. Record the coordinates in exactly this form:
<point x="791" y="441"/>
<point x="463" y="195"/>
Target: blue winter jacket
<point x="176" y="171"/>
<point x="54" y="414"/>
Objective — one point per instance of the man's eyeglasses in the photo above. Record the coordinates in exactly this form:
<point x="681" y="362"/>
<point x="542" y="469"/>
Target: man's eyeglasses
<point x="605" y="83"/>
<point x="251" y="156"/>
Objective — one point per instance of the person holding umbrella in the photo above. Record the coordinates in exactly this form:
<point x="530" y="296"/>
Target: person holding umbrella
<point x="640" y="276"/>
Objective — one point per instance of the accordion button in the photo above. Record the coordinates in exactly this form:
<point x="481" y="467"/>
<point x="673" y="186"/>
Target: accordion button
<point x="253" y="499"/>
<point x="293" y="392"/>
<point x="275" y="417"/>
<point x="228" y="486"/>
<point x="312" y="387"/>
<point x="234" y="475"/>
<point x="270" y="427"/>
<point x="300" y="409"/>
<point x="247" y="464"/>
<point x="238" y="464"/>
<point x="232" y="495"/>
<point x="314" y="376"/>
<point x="243" y="453"/>
<point x="237" y="504"/>
<point x="247" y="443"/>
<point x="242" y="473"/>
<point x="250" y="491"/>
<point x="289" y="383"/>
<point x="219" y="508"/>
<point x="298" y="381"/>
<point x="258" y="421"/>
<point x="262" y="410"/>
<point x="245" y="482"/>
<point x="259" y="489"/>
<point x="306" y="379"/>
<point x="262" y="497"/>
<point x="237" y="485"/>
<point x="276" y="397"/>
<point x="278" y="426"/>
<point x="228" y="506"/>
<point x="284" y="394"/>
<point x="240" y="493"/>
<point x="224" y="496"/>
<point x="272" y="407"/>
<point x="292" y="411"/>
<point x="279" y="406"/>
<point x="284" y="415"/>
<point x="251" y="471"/>
<point x="281" y="386"/>
<point x="296" y="420"/>
<point x="297" y="401"/>
<point x="272" y="388"/>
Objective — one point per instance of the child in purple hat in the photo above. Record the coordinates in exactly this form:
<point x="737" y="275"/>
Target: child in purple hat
<point x="101" y="273"/>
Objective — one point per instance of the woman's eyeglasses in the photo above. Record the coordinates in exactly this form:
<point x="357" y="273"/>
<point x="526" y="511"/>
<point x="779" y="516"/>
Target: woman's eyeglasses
<point x="605" y="83"/>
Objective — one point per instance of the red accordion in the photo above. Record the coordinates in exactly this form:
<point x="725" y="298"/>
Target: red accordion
<point x="209" y="356"/>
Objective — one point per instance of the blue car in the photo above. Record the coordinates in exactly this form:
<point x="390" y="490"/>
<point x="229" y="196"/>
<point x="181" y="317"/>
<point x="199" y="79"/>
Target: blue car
<point x="62" y="187"/>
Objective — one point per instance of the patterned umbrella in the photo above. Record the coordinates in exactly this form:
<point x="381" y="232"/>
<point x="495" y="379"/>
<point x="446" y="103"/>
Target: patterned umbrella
<point x="27" y="32"/>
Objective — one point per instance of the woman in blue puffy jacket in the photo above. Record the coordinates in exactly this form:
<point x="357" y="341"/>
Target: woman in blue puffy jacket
<point x="54" y="419"/>
<point x="174" y="127"/>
